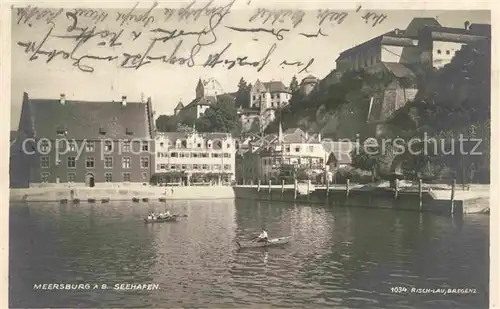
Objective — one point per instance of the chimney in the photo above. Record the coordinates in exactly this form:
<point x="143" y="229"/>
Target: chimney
<point x="63" y="99"/>
<point x="466" y="25"/>
<point x="396" y="31"/>
<point x="319" y="137"/>
<point x="124" y="100"/>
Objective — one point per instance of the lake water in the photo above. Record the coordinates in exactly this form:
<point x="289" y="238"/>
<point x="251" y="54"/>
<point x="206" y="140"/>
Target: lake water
<point x="340" y="257"/>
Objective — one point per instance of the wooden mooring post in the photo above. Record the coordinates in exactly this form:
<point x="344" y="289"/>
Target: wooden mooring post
<point x="270" y="187"/>
<point x="453" y="187"/>
<point x="396" y="191"/>
<point x="308" y="188"/>
<point x="295" y="189"/>
<point x="347" y="187"/>
<point x="258" y="185"/>
<point x="282" y="186"/>
<point x="420" y="194"/>
<point x="327" y="187"/>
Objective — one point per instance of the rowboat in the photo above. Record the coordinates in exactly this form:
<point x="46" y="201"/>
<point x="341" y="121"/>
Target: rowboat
<point x="159" y="220"/>
<point x="172" y="218"/>
<point x="270" y="243"/>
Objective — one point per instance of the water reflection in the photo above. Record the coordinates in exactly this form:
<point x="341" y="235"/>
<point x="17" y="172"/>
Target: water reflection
<point x="340" y="257"/>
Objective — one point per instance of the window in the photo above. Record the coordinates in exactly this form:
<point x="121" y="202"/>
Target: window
<point x="126" y="162"/>
<point x="145" y="146"/>
<point x="194" y="155"/>
<point x="126" y="146"/>
<point x="215" y="155"/>
<point x="44" y="177"/>
<point x="44" y="162"/>
<point x="297" y="148"/>
<point x="161" y="166"/>
<point x="228" y="145"/>
<point x="44" y="147"/>
<point x="183" y="155"/>
<point x="144" y="176"/>
<point x="287" y="148"/>
<point x="102" y="131"/>
<point x="72" y="145"/>
<point x="144" y="162"/>
<point x="108" y="162"/>
<point x="128" y="131"/>
<point x="71" y="177"/>
<point x="61" y="145"/>
<point x="61" y="131"/>
<point x="108" y="177"/>
<point x="204" y="166"/>
<point x="448" y="52"/>
<point x="89" y="146"/>
<point x="71" y="162"/>
<point x="204" y="155"/>
<point x="108" y="146"/>
<point x="172" y="167"/>
<point x="173" y="155"/>
<point x="216" y="166"/>
<point x="90" y="162"/>
<point x="183" y="166"/>
<point x="227" y="167"/>
<point x="126" y="177"/>
<point x="311" y="148"/>
<point x="196" y="166"/>
<point x="198" y="145"/>
<point x="439" y="52"/>
<point x="227" y="155"/>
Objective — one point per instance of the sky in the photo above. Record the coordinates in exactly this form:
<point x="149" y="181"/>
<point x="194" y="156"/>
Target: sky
<point x="167" y="84"/>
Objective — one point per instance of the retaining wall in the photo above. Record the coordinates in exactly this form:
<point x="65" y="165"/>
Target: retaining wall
<point x="373" y="198"/>
<point x="120" y="194"/>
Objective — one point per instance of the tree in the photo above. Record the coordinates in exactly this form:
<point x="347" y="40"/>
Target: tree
<point x="243" y="94"/>
<point x="165" y="123"/>
<point x="365" y="161"/>
<point x="222" y="116"/>
<point x="294" y="85"/>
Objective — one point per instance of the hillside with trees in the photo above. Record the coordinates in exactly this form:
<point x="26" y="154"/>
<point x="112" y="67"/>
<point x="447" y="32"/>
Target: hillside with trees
<point x="452" y="103"/>
<point x="340" y="111"/>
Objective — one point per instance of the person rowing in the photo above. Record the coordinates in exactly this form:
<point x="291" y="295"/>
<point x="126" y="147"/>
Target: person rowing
<point x="263" y="236"/>
<point x="152" y="216"/>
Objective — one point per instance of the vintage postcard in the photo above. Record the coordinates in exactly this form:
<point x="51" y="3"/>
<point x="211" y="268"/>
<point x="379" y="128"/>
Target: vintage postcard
<point x="242" y="153"/>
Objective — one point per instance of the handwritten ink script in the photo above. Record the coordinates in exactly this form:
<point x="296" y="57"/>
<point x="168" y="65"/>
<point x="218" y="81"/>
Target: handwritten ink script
<point x="195" y="35"/>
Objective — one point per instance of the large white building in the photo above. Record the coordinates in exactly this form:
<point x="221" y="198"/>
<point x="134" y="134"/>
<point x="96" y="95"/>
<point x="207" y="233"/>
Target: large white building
<point x="194" y="158"/>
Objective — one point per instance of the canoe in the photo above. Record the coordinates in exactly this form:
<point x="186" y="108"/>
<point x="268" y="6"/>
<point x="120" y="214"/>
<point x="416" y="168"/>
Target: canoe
<point x="158" y="220"/>
<point x="269" y="243"/>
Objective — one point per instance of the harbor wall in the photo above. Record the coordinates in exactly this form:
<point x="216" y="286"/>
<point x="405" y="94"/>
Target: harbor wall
<point x="54" y="194"/>
<point x="371" y="198"/>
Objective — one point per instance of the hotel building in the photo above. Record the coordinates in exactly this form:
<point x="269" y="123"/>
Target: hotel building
<point x="194" y="158"/>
